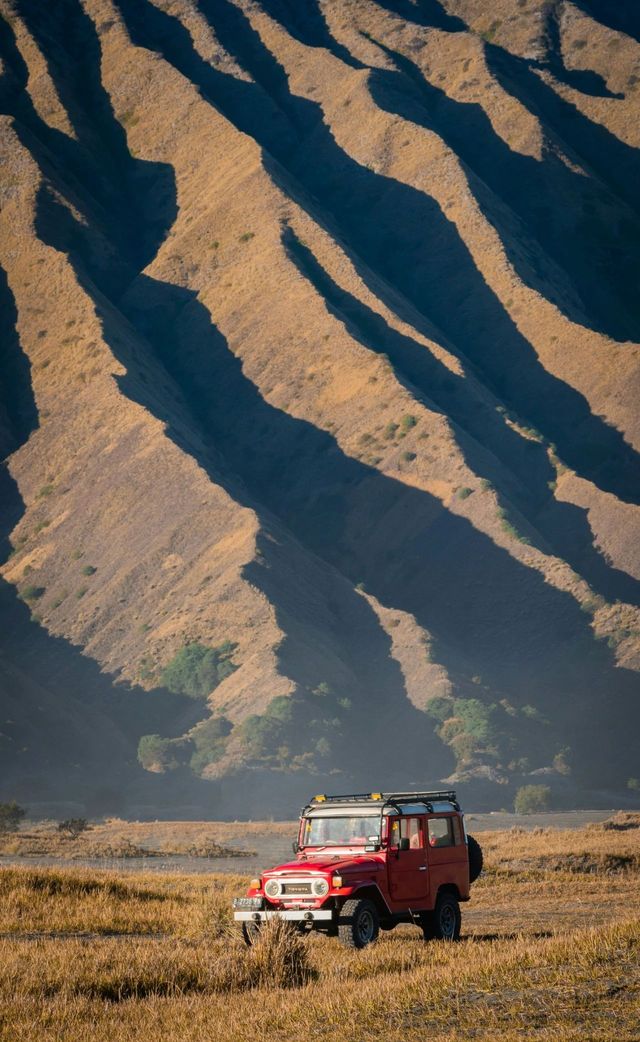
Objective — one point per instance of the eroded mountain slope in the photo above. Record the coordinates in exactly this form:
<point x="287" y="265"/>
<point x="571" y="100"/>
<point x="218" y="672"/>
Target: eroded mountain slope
<point x="321" y="328"/>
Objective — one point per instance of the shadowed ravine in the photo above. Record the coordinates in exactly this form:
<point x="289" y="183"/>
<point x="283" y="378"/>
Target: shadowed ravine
<point x="402" y="236"/>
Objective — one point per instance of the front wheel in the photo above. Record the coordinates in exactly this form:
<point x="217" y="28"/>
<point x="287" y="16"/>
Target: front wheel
<point x="359" y="923"/>
<point x="443" y="923"/>
<point x="251" y="931"/>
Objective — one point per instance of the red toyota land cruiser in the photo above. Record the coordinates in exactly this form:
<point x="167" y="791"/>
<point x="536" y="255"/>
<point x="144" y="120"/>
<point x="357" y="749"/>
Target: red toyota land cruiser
<point x="367" y="862"/>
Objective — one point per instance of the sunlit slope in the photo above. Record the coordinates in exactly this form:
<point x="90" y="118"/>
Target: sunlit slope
<point x="321" y="329"/>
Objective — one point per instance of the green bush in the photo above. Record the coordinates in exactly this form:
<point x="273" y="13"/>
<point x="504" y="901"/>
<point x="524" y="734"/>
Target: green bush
<point x="464" y="492"/>
<point x="312" y="726"/>
<point x="530" y="799"/>
<point x="477" y="718"/>
<point x="89" y="570"/>
<point x="11" y="814"/>
<point x="209" y="738"/>
<point x="159" y="754"/>
<point x="407" y="457"/>
<point x="407" y="422"/>
<point x="440" y="708"/>
<point x="196" y="670"/>
<point x="32" y="593"/>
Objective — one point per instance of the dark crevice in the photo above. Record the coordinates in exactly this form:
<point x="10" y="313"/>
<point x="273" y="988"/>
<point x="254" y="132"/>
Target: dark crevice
<point x="245" y="104"/>
<point x="429" y="14"/>
<point x="584" y="80"/>
<point x="304" y="21"/>
<point x="63" y="722"/>
<point x="138" y="197"/>
<point x="564" y="215"/>
<point x="488" y="614"/>
<point x="622" y="16"/>
<point x="18" y="412"/>
<point x="402" y="235"/>
<point x="615" y="163"/>
<point x="565" y="527"/>
<point x="409" y="552"/>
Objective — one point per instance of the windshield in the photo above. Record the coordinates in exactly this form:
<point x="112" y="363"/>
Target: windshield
<point x="340" y="832"/>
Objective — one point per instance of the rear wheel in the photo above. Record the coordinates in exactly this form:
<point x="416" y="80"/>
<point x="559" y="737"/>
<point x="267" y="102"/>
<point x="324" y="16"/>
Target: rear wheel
<point x="359" y="923"/>
<point x="443" y="923"/>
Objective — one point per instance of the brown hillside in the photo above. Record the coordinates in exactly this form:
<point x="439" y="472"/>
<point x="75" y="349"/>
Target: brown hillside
<point x="319" y="349"/>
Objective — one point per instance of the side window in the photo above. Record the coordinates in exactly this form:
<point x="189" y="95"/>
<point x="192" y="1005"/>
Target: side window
<point x="411" y="829"/>
<point x="440" y="832"/>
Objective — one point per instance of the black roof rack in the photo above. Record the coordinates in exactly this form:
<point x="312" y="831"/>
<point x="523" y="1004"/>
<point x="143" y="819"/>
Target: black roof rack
<point x="381" y="799"/>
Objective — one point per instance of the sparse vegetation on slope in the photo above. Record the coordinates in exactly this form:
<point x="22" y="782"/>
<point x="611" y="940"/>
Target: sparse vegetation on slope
<point x="196" y="670"/>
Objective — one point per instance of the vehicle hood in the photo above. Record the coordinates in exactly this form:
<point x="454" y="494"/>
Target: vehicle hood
<point x="324" y="862"/>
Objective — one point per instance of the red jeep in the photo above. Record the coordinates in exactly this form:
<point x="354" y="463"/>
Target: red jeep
<point x="365" y="863"/>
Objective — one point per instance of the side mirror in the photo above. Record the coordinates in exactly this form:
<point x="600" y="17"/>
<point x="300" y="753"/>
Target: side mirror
<point x="404" y="844"/>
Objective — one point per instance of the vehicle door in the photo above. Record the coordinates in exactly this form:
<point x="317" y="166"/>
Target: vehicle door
<point x="447" y="854"/>
<point x="407" y="861"/>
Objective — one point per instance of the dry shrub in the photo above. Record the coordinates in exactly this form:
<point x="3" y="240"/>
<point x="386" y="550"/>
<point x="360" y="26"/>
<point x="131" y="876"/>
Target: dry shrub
<point x="214" y="919"/>
<point x="623" y="821"/>
<point x="51" y="883"/>
<point x="279" y="958"/>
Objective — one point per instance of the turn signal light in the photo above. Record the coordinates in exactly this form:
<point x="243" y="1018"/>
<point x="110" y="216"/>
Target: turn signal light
<point x="319" y="799"/>
<point x="336" y="882"/>
<point x="254" y="884"/>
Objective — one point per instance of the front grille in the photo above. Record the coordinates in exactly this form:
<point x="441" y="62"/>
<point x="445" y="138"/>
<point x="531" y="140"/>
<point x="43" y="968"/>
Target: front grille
<point x="297" y="889"/>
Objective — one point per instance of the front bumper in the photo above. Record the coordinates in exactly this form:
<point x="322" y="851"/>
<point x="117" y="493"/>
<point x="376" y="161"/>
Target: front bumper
<point x="304" y="915"/>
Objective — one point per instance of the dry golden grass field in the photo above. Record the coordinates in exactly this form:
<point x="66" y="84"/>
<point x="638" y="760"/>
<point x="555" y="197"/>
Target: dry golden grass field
<point x="550" y="948"/>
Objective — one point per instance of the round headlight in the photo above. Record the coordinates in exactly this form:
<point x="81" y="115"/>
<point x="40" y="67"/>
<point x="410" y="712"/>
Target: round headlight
<point x="272" y="888"/>
<point x="320" y="887"/>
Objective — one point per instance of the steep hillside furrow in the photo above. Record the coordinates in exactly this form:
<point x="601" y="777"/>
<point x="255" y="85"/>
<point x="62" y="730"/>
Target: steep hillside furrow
<point x="397" y="219"/>
<point x="564" y="527"/>
<point x="356" y="656"/>
<point x="396" y="540"/>
<point x="623" y="17"/>
<point x="317" y="351"/>
<point x="598" y="255"/>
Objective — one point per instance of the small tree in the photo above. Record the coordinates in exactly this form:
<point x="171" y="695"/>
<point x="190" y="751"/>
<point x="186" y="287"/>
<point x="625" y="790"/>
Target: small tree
<point x="74" y="826"/>
<point x="11" y="814"/>
<point x="532" y="798"/>
<point x="196" y="670"/>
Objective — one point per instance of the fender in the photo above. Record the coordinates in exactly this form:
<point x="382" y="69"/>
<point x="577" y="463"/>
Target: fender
<point x="365" y="888"/>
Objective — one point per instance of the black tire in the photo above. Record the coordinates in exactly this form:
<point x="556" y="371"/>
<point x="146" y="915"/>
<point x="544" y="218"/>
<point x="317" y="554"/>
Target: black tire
<point x="443" y="924"/>
<point x="476" y="858"/>
<point x="428" y="924"/>
<point x="250" y="931"/>
<point x="359" y="923"/>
